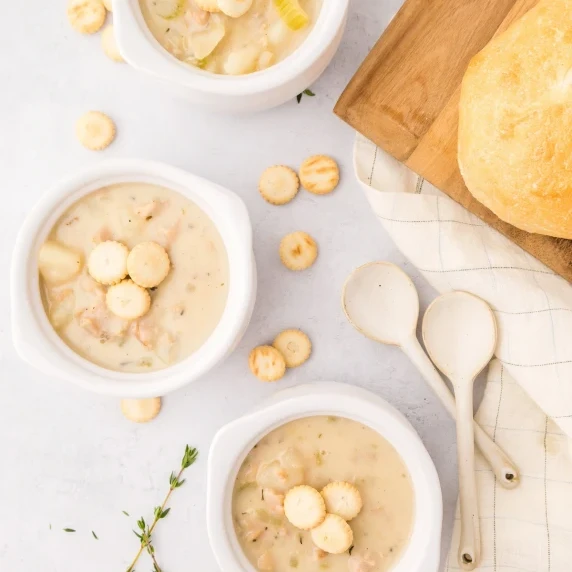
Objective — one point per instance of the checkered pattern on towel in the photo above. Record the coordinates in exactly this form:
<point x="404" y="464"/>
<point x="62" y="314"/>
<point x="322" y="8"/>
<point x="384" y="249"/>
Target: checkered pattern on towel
<point x="528" y="529"/>
<point x="527" y="406"/>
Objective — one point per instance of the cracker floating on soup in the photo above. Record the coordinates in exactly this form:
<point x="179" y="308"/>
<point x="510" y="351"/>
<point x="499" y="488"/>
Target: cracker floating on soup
<point x="334" y="535"/>
<point x="304" y="507"/>
<point x="342" y="498"/>
<point x="107" y="262"/>
<point x="127" y="300"/>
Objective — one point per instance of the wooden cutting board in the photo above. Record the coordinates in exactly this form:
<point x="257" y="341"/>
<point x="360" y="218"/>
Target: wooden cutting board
<point x="405" y="99"/>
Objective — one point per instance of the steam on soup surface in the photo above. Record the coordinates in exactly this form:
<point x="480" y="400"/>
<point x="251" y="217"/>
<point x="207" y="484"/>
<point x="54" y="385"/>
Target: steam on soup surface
<point x="315" y="451"/>
<point x="184" y="308"/>
<point x="230" y="37"/>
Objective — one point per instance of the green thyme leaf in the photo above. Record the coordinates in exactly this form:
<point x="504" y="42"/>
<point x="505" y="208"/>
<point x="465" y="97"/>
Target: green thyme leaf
<point x="189" y="457"/>
<point x="307" y="92"/>
<point x="94" y="535"/>
<point x="69" y="530"/>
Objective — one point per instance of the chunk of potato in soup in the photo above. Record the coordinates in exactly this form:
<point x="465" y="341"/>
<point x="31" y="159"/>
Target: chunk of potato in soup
<point x="316" y="451"/>
<point x="185" y="308"/>
<point x="230" y="37"/>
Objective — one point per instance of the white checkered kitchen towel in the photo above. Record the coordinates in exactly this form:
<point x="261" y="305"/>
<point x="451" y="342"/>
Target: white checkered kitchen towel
<point x="527" y="407"/>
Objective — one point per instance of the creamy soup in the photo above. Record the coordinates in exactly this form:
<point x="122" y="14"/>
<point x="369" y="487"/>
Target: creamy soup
<point x="315" y="451"/>
<point x="184" y="308"/>
<point x="231" y="37"/>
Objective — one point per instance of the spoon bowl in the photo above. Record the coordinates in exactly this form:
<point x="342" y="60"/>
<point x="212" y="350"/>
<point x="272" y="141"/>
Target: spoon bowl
<point x="381" y="302"/>
<point x="460" y="334"/>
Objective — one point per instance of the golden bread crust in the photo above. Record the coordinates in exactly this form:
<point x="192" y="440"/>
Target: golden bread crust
<point x="515" y="122"/>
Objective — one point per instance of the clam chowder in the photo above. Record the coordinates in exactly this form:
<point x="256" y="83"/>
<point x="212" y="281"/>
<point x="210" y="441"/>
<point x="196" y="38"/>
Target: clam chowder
<point x="366" y="477"/>
<point x="134" y="277"/>
<point x="230" y="37"/>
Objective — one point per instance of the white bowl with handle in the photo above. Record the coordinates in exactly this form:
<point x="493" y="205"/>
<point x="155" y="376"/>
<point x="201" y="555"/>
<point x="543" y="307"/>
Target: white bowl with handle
<point x="37" y="342"/>
<point x="246" y="93"/>
<point x="234" y="441"/>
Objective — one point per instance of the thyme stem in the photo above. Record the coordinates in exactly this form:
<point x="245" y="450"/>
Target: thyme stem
<point x="160" y="512"/>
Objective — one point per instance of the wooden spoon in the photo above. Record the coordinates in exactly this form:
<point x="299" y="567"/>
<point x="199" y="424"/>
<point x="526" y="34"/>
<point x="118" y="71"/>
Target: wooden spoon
<point x="381" y="302"/>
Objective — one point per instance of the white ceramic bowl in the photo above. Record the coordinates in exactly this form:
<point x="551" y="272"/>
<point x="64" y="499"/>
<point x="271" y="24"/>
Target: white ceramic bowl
<point x="234" y="441"/>
<point x="37" y="342"/>
<point x="252" y="92"/>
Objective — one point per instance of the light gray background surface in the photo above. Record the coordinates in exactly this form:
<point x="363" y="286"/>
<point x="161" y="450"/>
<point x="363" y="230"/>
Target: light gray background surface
<point x="69" y="458"/>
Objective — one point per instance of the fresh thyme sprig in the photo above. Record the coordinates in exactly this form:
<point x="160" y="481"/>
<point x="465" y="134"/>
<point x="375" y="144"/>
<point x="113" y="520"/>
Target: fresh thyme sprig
<point x="160" y="512"/>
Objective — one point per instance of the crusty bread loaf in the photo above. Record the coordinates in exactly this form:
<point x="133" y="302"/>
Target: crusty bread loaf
<point x="515" y="122"/>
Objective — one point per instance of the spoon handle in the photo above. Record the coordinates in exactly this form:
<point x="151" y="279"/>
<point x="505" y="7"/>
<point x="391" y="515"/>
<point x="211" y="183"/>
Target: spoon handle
<point x="503" y="468"/>
<point x="470" y="543"/>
